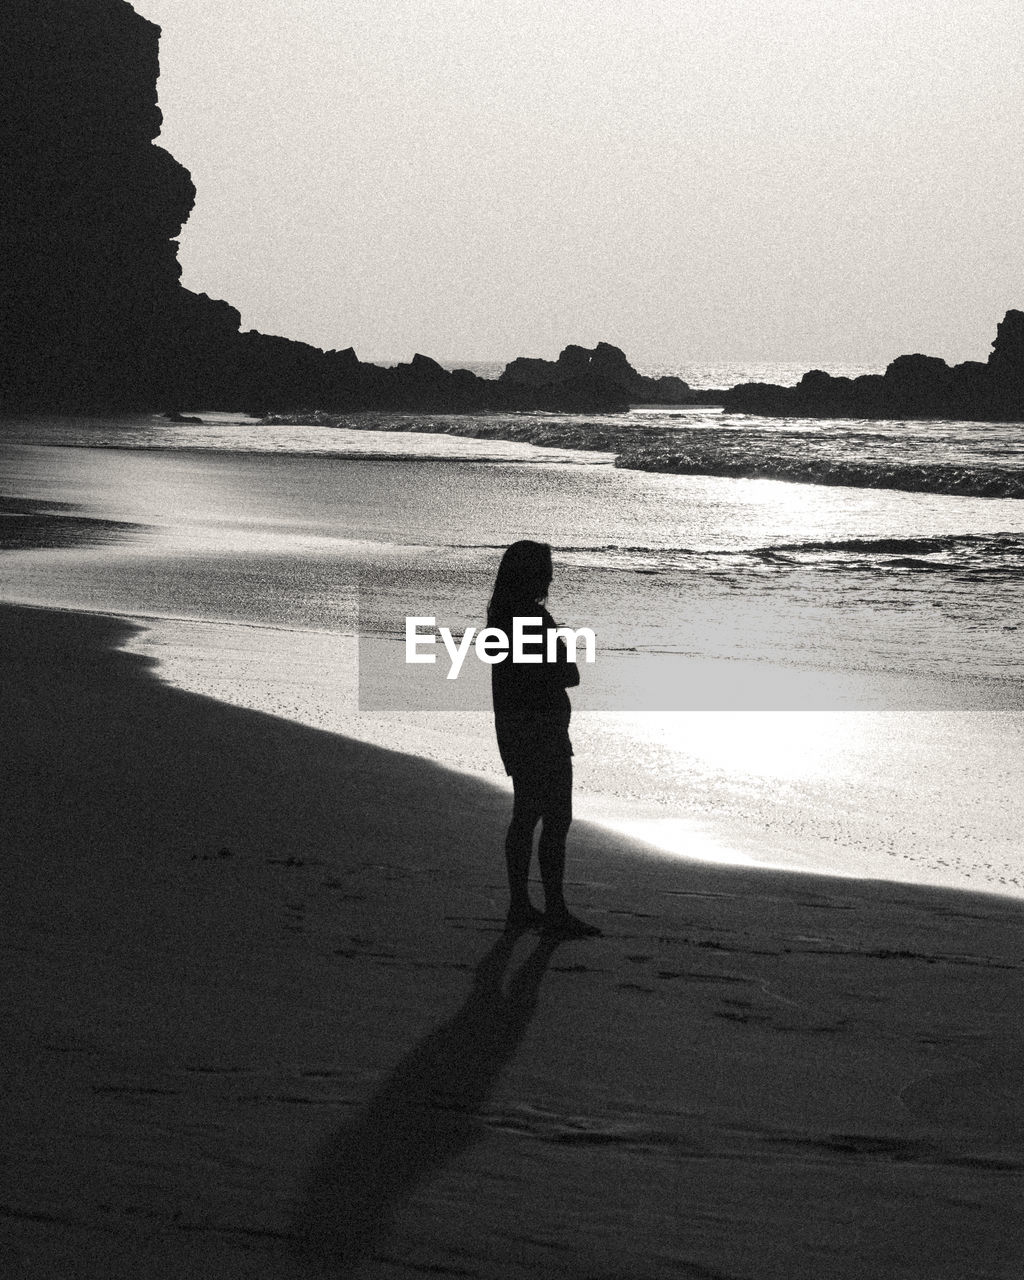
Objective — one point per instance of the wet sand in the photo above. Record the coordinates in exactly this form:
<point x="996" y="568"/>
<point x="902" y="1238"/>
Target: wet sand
<point x="260" y="1020"/>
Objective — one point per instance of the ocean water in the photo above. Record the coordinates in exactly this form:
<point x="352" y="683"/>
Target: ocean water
<point x="836" y="668"/>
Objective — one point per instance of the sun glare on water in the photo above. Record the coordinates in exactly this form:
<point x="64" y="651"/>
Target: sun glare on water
<point x="784" y="745"/>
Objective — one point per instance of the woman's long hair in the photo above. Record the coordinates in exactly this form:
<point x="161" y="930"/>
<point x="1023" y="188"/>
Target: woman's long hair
<point x="522" y="582"/>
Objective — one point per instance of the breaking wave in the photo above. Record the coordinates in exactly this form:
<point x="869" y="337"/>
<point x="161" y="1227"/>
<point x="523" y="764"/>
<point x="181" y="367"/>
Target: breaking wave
<point x="965" y="556"/>
<point x="944" y="478"/>
<point x="976" y="460"/>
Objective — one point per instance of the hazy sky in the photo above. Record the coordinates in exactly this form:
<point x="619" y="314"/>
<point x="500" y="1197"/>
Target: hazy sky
<point x="690" y="179"/>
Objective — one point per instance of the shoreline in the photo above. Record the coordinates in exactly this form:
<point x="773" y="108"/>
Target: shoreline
<point x="684" y="834"/>
<point x="689" y="829"/>
<point x="762" y="454"/>
<point x="180" y="564"/>
<point x="234" y="951"/>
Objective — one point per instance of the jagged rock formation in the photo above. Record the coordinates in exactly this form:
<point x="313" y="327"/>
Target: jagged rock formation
<point x="604" y="362"/>
<point x="913" y="386"/>
<point x="276" y="374"/>
<point x="93" y="312"/>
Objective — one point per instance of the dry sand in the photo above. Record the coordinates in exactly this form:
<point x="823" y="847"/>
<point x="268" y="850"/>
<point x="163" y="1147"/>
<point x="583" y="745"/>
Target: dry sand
<point x="260" y="1020"/>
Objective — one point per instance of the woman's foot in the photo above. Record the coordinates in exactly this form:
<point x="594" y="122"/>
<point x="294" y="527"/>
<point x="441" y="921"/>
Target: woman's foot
<point x="563" y="924"/>
<point x="524" y="917"/>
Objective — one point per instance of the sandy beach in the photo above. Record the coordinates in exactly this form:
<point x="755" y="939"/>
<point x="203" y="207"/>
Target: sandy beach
<point x="261" y="1020"/>
<point x="311" y="314"/>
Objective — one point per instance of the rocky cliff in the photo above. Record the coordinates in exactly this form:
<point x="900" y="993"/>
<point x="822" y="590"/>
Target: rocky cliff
<point x="93" y="312"/>
<point x="913" y="386"/>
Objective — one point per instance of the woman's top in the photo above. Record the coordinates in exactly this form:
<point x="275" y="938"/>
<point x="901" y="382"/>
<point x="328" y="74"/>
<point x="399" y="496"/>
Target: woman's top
<point x="531" y="706"/>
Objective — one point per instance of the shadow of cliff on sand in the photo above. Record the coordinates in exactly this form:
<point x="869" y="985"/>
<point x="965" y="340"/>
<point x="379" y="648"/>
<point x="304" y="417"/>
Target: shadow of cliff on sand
<point x="423" y="1116"/>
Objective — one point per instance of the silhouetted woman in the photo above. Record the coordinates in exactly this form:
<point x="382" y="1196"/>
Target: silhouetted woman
<point x="531" y="718"/>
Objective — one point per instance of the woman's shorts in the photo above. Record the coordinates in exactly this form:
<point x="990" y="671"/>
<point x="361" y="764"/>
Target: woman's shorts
<point x="543" y="788"/>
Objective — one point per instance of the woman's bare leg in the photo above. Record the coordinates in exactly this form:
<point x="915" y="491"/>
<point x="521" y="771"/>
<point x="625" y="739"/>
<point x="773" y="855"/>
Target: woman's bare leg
<point x="518" y="855"/>
<point x="551" y="856"/>
<point x="558" y="920"/>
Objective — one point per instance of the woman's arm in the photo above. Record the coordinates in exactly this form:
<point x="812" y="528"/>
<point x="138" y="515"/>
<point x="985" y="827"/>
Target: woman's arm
<point x="565" y="672"/>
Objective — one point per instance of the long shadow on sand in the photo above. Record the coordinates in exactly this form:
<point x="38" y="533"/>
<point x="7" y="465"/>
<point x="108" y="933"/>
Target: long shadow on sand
<point x="425" y="1114"/>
